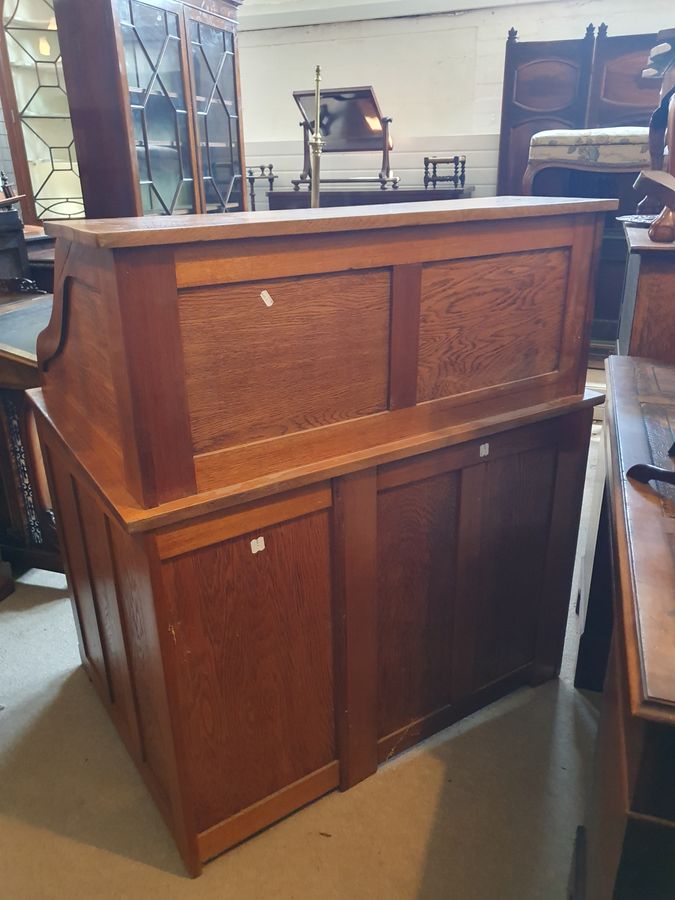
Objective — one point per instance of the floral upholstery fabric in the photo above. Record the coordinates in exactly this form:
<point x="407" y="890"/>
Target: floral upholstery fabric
<point x="592" y="147"/>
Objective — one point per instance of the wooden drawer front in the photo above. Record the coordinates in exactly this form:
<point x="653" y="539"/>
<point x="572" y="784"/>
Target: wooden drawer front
<point x="319" y="354"/>
<point x="489" y="322"/>
<point x="254" y="648"/>
<point x="417" y="538"/>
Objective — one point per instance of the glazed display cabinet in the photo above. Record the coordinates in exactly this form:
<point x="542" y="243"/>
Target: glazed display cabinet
<point x="154" y="103"/>
<point x="35" y="109"/>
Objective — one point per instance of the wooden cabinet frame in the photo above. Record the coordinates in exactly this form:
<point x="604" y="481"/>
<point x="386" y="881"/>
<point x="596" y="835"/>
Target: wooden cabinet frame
<point x="98" y="97"/>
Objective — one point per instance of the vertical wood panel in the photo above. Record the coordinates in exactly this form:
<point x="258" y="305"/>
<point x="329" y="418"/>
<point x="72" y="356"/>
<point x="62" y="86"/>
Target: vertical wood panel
<point x="355" y="596"/>
<point x="417" y="549"/>
<point x="64" y="544"/>
<point x="504" y="523"/>
<point x="575" y="431"/>
<point x="253" y="638"/>
<point x="472" y="488"/>
<point x="406" y="288"/>
<point x="150" y="373"/>
<point x="99" y="564"/>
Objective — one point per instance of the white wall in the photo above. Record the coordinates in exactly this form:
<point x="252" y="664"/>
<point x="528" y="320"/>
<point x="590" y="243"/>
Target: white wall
<point x="439" y="76"/>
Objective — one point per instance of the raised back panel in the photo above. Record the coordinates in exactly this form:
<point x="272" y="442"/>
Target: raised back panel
<point x="318" y="354"/>
<point x="519" y="294"/>
<point x="545" y="86"/>
<point x="619" y="95"/>
<point x="255" y="719"/>
<point x="417" y="537"/>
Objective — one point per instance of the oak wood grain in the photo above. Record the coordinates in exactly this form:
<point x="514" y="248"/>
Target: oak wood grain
<point x="153" y="230"/>
<point x="255" y="719"/>
<point x="317" y="356"/>
<point x="249" y="517"/>
<point x="406" y="287"/>
<point x="417" y="547"/>
<point x="355" y="617"/>
<point x="148" y="370"/>
<point x="237" y="828"/>
<point x="250" y="259"/>
<point x="253" y="475"/>
<point x="521" y="295"/>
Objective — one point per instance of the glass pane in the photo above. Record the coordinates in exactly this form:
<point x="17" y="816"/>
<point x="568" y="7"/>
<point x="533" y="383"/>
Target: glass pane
<point x="35" y="61"/>
<point x="170" y="73"/>
<point x="139" y="70"/>
<point x="216" y="116"/>
<point x="150" y="26"/>
<point x="159" y="110"/>
<point x="47" y="101"/>
<point x="124" y="11"/>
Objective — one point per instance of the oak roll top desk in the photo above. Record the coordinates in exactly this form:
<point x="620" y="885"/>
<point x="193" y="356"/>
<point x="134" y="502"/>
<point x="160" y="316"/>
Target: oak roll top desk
<point x="318" y="477"/>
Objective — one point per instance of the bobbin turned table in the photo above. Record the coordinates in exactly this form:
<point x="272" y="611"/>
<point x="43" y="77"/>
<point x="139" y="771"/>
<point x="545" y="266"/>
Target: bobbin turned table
<point x="318" y="478"/>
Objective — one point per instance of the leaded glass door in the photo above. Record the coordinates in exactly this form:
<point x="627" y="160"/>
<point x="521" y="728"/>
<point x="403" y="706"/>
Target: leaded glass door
<point x="153" y="39"/>
<point x="216" y="104"/>
<point x="34" y="58"/>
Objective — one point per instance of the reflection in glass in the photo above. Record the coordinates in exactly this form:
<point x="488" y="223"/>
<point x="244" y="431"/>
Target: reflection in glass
<point x="152" y="53"/>
<point x="217" y="122"/>
<point x="37" y="75"/>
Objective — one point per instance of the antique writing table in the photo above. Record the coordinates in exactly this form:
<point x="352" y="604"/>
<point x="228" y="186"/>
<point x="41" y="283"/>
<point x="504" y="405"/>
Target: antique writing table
<point x="318" y="477"/>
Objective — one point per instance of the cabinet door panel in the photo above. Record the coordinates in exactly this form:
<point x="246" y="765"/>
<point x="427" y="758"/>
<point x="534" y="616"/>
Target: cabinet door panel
<point x="153" y="43"/>
<point x="507" y="589"/>
<point x="417" y="535"/>
<point x="216" y="108"/>
<point x="253" y="633"/>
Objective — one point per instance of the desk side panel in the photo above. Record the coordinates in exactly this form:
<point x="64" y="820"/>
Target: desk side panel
<point x="120" y="633"/>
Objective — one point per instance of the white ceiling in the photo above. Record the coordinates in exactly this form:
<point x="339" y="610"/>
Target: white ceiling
<point x="286" y="13"/>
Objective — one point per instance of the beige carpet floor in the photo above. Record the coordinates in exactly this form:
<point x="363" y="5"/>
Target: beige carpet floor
<point x="486" y="810"/>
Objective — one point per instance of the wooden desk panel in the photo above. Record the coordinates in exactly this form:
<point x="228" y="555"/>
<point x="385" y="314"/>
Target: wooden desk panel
<point x="319" y="354"/>
<point x="503" y="310"/>
<point x="523" y="297"/>
<point x="647" y="326"/>
<point x="296" y="564"/>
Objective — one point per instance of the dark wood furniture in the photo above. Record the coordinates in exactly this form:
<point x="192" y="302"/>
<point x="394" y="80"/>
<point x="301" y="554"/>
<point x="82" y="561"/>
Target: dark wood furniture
<point x="27" y="531"/>
<point x="648" y="304"/>
<point x="545" y="86"/>
<point x="626" y="851"/>
<point x="618" y="93"/>
<point x="586" y="83"/>
<point x="153" y="90"/>
<point x="319" y="488"/>
<point x="364" y="197"/>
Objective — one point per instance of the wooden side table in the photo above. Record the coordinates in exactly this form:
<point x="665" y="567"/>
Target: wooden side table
<point x="648" y="305"/>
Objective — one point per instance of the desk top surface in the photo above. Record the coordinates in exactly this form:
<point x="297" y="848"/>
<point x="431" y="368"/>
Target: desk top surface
<point x="22" y="320"/>
<point x="156" y="230"/>
<point x="640" y="242"/>
<point x="640" y="429"/>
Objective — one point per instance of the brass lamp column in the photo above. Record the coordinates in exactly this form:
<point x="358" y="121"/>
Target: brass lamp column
<point x="316" y="143"/>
